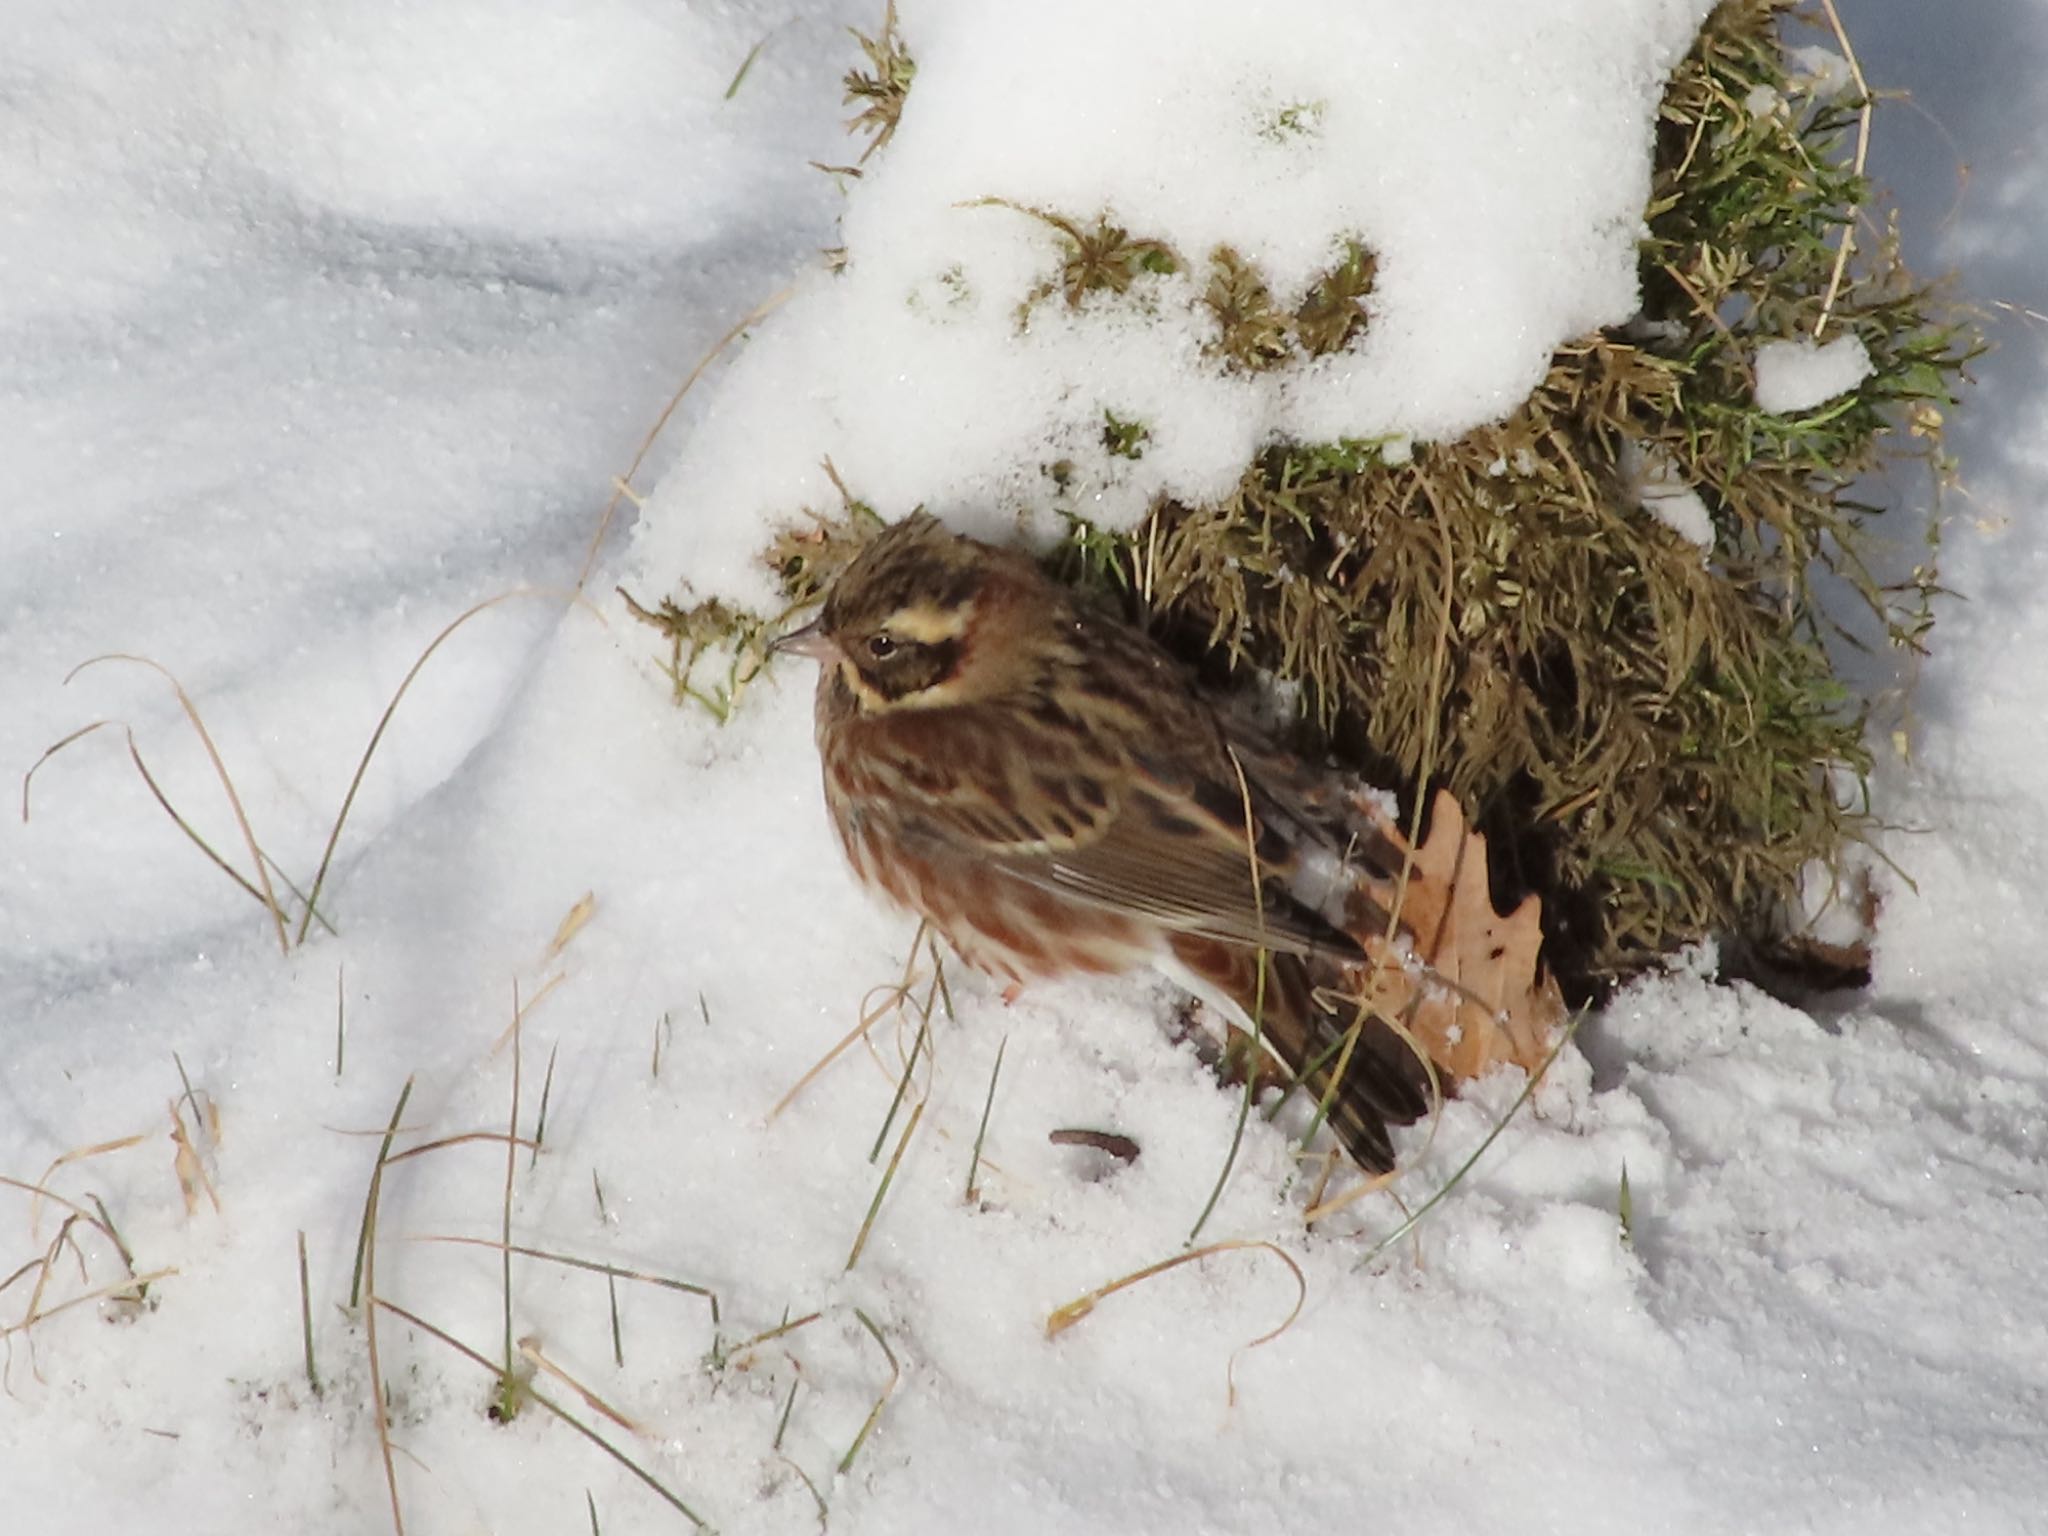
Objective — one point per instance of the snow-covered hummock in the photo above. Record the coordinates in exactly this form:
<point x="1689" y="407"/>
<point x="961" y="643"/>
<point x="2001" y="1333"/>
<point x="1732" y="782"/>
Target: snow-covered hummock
<point x="1282" y="131"/>
<point x="321" y="322"/>
<point x="1800" y="375"/>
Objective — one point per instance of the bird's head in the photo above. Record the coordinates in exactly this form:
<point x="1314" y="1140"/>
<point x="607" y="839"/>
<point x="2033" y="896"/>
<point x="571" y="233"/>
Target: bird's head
<point x="922" y="618"/>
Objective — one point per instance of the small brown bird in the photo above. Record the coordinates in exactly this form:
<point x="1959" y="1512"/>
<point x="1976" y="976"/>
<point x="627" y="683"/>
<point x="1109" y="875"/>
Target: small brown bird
<point x="1053" y="793"/>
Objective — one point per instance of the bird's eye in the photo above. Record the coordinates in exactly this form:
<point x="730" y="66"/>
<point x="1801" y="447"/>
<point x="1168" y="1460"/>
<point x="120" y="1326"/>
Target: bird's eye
<point x="881" y="647"/>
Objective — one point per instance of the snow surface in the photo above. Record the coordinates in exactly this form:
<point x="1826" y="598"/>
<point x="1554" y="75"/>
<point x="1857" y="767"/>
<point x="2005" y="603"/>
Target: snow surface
<point x="321" y="324"/>
<point x="1799" y="374"/>
<point x="1281" y="131"/>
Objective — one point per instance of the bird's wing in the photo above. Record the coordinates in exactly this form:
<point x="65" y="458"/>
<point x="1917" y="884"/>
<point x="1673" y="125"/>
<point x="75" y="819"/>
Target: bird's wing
<point x="1151" y="836"/>
<point x="1183" y="860"/>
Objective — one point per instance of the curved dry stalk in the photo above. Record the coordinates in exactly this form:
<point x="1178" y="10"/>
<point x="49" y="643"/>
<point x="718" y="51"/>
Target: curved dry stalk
<point x="186" y="827"/>
<point x="355" y="782"/>
<point x="220" y="770"/>
<point x="513" y="1144"/>
<point x="111" y="1288"/>
<point x="39" y="1191"/>
<point x="51" y="751"/>
<point x="623" y="484"/>
<point x="896" y="993"/>
<point x="1064" y="1317"/>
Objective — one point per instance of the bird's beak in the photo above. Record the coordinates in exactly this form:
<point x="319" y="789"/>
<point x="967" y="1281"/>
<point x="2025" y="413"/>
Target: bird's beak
<point x="811" y="641"/>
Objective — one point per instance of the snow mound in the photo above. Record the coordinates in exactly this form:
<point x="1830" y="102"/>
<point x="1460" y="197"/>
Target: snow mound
<point x="1493" y="157"/>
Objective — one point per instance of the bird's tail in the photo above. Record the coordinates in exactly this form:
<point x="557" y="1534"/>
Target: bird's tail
<point x="1383" y="1082"/>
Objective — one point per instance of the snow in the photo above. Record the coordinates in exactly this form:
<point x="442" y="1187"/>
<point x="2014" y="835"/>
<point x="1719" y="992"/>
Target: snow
<point x="1826" y="73"/>
<point x="1801" y="375"/>
<point x="1663" y="492"/>
<point x="1282" y="132"/>
<point x="321" y="326"/>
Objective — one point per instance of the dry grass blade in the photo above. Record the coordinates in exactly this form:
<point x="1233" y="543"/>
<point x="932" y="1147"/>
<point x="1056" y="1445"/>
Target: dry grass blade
<point x="572" y="923"/>
<point x="540" y="1119"/>
<point x="51" y="751"/>
<point x="306" y="1318"/>
<point x="355" y="782"/>
<point x="740" y="74"/>
<point x="355" y="1287"/>
<point x="776" y="1332"/>
<point x="917" y="1046"/>
<point x="220" y="770"/>
<point x="1251" y="1073"/>
<point x="106" y="1225"/>
<point x="569" y="1261"/>
<point x="300" y="896"/>
<point x="505" y="1211"/>
<point x="981" y="1131"/>
<point x="1848" y="245"/>
<point x="162" y="800"/>
<point x="882" y="1399"/>
<point x="38" y="1192"/>
<point x="189" y="1168"/>
<point x="788" y="1403"/>
<point x="366" y="1279"/>
<point x="531" y="1352"/>
<point x="191" y="832"/>
<point x="541" y="995"/>
<point x="1064" y="1317"/>
<point x="860" y="1240"/>
<point x="441" y="1143"/>
<point x="124" y="1288"/>
<point x="623" y="485"/>
<point x="541" y="1400"/>
<point x="895" y="994"/>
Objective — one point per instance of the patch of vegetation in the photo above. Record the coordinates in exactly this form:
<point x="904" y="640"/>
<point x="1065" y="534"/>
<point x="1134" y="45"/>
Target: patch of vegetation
<point x="1124" y="439"/>
<point x="1296" y="120"/>
<point x="1100" y="258"/>
<point x="881" y="89"/>
<point x="1651" y="734"/>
